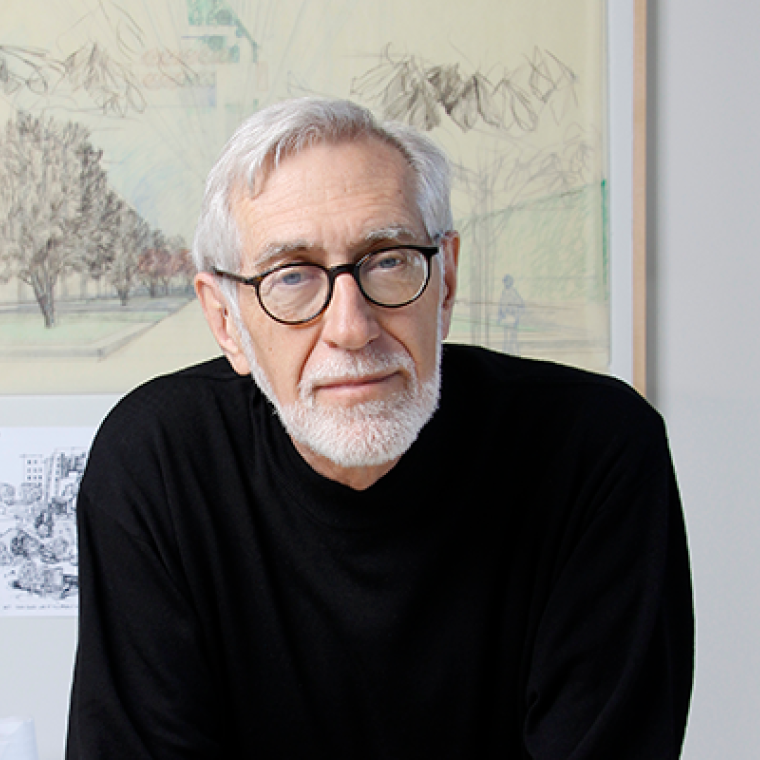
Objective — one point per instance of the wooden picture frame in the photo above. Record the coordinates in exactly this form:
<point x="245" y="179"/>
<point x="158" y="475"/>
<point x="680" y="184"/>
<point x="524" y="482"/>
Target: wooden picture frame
<point x="639" y="286"/>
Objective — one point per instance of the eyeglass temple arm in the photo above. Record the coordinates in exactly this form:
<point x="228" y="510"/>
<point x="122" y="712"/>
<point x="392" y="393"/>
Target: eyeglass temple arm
<point x="255" y="280"/>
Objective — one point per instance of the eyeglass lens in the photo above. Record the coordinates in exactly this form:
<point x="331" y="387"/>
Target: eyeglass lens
<point x="299" y="292"/>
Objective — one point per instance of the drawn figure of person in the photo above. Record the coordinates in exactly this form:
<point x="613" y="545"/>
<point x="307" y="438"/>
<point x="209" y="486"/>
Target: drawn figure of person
<point x="511" y="307"/>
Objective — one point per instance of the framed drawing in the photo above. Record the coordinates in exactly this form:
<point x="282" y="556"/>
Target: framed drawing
<point x="114" y="110"/>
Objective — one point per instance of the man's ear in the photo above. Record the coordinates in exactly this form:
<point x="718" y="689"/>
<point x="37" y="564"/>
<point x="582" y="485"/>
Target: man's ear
<point x="450" y="254"/>
<point x="219" y="318"/>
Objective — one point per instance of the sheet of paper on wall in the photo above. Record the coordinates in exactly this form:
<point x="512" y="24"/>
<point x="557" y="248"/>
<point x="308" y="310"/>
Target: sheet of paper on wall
<point x="40" y="472"/>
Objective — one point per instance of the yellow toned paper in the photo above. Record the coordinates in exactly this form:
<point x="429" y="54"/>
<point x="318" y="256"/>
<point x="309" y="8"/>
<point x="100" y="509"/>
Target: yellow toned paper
<point x="114" y="112"/>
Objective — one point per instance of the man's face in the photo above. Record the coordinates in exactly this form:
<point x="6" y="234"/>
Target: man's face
<point x="332" y="204"/>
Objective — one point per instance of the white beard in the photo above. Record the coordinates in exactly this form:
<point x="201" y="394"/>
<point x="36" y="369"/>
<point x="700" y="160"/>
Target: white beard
<point x="364" y="434"/>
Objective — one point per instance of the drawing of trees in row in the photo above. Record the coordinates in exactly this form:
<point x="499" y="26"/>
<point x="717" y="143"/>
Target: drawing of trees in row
<point x="58" y="215"/>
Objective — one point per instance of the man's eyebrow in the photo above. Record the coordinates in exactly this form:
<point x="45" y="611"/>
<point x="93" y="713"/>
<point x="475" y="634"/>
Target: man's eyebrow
<point x="272" y="253"/>
<point x="392" y="233"/>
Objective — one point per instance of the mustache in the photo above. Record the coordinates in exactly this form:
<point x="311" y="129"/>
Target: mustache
<point x="352" y="365"/>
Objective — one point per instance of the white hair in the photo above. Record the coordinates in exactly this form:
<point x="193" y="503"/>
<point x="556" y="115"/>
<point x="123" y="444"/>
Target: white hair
<point x="285" y="129"/>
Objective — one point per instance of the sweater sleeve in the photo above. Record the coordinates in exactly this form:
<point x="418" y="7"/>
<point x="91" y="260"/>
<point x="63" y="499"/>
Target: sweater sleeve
<point x="611" y="669"/>
<point x="143" y="685"/>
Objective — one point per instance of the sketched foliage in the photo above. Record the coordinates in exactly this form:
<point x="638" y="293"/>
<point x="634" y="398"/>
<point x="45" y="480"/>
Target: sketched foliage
<point x="107" y="82"/>
<point x="58" y="213"/>
<point x="111" y="85"/>
<point x="40" y="200"/>
<point x="419" y="93"/>
<point x="164" y="260"/>
<point x="28" y="68"/>
<point x="129" y="234"/>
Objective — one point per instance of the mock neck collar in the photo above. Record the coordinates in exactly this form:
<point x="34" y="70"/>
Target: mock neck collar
<point x="400" y="495"/>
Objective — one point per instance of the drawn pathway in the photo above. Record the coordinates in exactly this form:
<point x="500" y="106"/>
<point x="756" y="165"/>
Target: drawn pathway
<point x="177" y="341"/>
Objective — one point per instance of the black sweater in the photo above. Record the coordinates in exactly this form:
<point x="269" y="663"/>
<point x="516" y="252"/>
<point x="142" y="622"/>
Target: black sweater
<point x="516" y="587"/>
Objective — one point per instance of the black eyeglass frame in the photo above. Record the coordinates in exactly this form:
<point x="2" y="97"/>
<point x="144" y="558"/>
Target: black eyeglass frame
<point x="428" y="251"/>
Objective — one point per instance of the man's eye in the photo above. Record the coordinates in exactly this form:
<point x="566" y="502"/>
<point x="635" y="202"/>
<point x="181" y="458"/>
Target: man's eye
<point x="291" y="277"/>
<point x="389" y="261"/>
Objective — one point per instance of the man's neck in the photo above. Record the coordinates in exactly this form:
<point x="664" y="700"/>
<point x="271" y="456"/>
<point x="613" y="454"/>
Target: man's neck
<point x="358" y="478"/>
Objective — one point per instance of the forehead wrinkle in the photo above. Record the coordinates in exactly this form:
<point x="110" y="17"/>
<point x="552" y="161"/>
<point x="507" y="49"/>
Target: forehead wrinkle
<point x="392" y="216"/>
<point x="274" y="251"/>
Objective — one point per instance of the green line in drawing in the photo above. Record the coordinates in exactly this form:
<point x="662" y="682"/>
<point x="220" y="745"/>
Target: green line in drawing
<point x="606" y="235"/>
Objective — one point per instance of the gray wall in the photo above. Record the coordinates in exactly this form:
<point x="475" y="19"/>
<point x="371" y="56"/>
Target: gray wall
<point x="704" y="314"/>
<point x="705" y="309"/>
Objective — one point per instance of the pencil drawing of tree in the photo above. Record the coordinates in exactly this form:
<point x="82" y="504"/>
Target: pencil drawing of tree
<point x="131" y="236"/>
<point x="97" y="72"/>
<point x="40" y="201"/>
<point x="98" y="221"/>
<point x="28" y="68"/>
<point x="182" y="263"/>
<point x="113" y="235"/>
<point x="154" y="266"/>
<point x="111" y="84"/>
<point x="420" y="93"/>
<point x="58" y="213"/>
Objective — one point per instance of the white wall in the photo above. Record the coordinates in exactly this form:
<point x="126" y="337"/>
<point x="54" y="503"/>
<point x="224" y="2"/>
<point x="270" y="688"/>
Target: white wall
<point x="705" y="308"/>
<point x="36" y="658"/>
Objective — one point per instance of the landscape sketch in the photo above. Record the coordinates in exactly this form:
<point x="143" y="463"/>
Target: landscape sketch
<point x="40" y="472"/>
<point x="113" y="111"/>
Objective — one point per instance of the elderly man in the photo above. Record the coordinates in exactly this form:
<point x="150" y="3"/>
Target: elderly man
<point x="306" y="549"/>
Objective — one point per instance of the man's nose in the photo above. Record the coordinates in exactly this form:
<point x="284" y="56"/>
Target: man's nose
<point x="349" y="322"/>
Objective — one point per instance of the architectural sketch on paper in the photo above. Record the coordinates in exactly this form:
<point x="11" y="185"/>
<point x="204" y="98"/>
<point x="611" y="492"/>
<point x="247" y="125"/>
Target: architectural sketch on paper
<point x="38" y="543"/>
<point x="85" y="272"/>
<point x="112" y="113"/>
<point x="531" y="211"/>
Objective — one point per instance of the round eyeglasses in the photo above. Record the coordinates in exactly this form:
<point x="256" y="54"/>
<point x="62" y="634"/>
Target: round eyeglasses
<point x="299" y="292"/>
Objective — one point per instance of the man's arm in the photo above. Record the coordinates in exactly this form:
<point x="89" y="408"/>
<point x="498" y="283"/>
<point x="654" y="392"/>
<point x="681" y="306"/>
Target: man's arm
<point x="611" y="671"/>
<point x="143" y="685"/>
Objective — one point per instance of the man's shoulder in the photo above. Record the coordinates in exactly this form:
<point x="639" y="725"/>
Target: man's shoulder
<point x="484" y="364"/>
<point x="210" y="377"/>
<point x="176" y="406"/>
<point x="209" y="373"/>
<point x="539" y="390"/>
